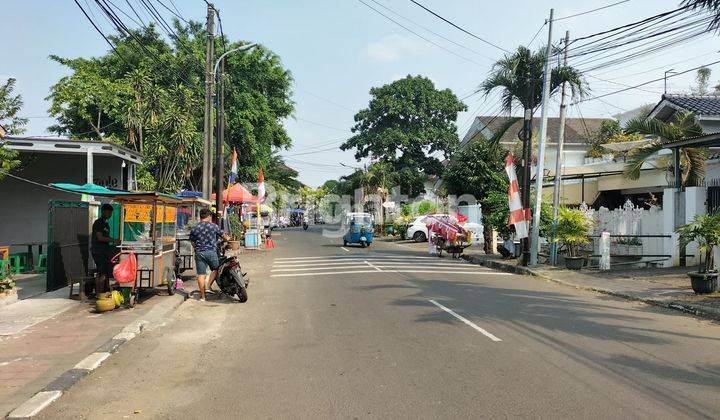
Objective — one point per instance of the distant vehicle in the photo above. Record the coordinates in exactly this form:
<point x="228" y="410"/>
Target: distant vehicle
<point x="360" y="228"/>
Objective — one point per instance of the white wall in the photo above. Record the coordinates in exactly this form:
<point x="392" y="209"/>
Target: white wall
<point x="23" y="213"/>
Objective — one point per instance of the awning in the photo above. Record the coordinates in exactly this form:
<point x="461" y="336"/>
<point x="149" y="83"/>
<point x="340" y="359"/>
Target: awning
<point x="237" y="194"/>
<point x="89" y="189"/>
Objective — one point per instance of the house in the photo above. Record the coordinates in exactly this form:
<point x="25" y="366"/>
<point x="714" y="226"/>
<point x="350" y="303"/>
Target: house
<point x="47" y="160"/>
<point x="706" y="109"/>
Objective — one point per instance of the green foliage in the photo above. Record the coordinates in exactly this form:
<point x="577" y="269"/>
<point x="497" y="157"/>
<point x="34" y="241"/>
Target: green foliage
<point x="609" y="132"/>
<point x="400" y="226"/>
<point x="236" y="226"/>
<point x="495" y="212"/>
<point x="426" y="207"/>
<point x="6" y="284"/>
<point x="152" y="101"/>
<point x="683" y="125"/>
<point x="10" y="106"/>
<point x="705" y="230"/>
<point x="519" y="75"/>
<point x="572" y="229"/>
<point x="406" y="123"/>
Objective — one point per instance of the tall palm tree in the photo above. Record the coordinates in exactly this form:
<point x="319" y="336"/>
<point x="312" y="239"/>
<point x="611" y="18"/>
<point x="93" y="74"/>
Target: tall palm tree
<point x="520" y="75"/>
<point x="711" y="5"/>
<point x="683" y="125"/>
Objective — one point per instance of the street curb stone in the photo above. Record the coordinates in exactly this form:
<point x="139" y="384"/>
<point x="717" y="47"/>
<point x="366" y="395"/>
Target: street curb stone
<point x="33" y="406"/>
<point x="709" y="313"/>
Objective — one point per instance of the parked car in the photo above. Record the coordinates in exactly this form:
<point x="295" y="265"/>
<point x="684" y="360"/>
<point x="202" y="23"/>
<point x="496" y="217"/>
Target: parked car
<point x="417" y="230"/>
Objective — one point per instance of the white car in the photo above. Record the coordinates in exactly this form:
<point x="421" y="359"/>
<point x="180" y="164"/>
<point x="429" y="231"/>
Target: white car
<point x="417" y="230"/>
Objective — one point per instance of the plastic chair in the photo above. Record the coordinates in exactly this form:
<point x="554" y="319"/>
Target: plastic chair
<point x="4" y="269"/>
<point x="41" y="266"/>
<point x="18" y="263"/>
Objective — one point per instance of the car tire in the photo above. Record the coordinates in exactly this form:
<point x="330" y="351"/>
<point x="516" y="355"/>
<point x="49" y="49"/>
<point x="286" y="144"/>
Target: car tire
<point x="419" y="237"/>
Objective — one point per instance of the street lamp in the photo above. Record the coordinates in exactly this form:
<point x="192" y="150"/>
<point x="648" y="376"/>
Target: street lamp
<point x="220" y="115"/>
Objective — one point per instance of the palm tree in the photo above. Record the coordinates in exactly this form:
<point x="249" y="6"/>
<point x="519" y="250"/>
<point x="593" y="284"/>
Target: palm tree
<point x="711" y="5"/>
<point x="683" y="125"/>
<point x="520" y="75"/>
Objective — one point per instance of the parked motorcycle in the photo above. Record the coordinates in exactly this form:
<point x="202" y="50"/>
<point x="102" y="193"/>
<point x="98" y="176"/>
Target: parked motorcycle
<point x="230" y="278"/>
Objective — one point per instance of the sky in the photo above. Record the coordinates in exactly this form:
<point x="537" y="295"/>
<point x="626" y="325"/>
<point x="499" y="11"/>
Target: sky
<point x="338" y="49"/>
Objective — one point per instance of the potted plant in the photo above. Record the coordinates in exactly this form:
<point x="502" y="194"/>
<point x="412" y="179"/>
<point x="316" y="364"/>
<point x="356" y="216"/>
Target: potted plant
<point x="705" y="230"/>
<point x="236" y="231"/>
<point x="572" y="231"/>
<point x="8" y="293"/>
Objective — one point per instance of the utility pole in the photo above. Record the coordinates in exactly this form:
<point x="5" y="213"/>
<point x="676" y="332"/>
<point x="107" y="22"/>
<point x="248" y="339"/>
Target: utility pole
<point x="220" y="139"/>
<point x="209" y="85"/>
<point x="559" y="158"/>
<point x="534" y="242"/>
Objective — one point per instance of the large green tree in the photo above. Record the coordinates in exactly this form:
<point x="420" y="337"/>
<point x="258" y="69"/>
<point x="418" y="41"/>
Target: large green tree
<point x="408" y="124"/>
<point x="150" y="98"/>
<point x="10" y="107"/>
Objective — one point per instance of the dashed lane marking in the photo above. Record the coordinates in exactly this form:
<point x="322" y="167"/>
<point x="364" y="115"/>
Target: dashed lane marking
<point x="327" y="273"/>
<point x="466" y="321"/>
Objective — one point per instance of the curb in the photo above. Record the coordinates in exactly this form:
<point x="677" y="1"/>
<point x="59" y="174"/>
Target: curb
<point x="41" y="400"/>
<point x="709" y="313"/>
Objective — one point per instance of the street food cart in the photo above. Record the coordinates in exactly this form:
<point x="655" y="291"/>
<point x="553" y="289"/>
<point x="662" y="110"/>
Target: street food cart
<point x="148" y="226"/>
<point x="446" y="234"/>
<point x="188" y="214"/>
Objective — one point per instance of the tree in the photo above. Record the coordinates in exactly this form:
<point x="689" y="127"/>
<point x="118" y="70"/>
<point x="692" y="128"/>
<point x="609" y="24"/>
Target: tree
<point x="683" y="125"/>
<point x="150" y="98"/>
<point x="10" y="107"/>
<point x="519" y="75"/>
<point x="711" y="5"/>
<point x="702" y="79"/>
<point x="407" y="123"/>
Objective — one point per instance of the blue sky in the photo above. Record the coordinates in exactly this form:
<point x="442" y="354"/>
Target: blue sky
<point x="338" y="49"/>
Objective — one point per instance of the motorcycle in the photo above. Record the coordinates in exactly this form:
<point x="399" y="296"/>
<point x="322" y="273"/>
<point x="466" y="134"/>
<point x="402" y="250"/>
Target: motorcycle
<point x="230" y="278"/>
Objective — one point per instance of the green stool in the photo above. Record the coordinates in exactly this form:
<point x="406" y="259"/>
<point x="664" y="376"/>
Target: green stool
<point x="41" y="266"/>
<point x="18" y="263"/>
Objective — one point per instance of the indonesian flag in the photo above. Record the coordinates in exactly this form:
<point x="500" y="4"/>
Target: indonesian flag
<point x="261" y="187"/>
<point x="233" y="168"/>
<point x="518" y="215"/>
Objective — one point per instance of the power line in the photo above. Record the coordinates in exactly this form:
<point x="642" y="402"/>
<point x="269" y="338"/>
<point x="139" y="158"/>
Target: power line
<point x="433" y="32"/>
<point x="323" y="125"/>
<point x="421" y="36"/>
<point x="326" y="100"/>
<point x="591" y="11"/>
<point x="459" y="27"/>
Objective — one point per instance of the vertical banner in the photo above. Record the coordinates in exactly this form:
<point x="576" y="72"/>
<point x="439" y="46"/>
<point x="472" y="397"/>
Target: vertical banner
<point x="518" y="215"/>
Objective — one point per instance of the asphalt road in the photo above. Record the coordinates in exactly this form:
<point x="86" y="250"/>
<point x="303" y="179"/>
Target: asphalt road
<point x="388" y="332"/>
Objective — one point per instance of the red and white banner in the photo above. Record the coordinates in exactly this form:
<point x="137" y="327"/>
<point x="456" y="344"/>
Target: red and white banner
<point x="518" y="215"/>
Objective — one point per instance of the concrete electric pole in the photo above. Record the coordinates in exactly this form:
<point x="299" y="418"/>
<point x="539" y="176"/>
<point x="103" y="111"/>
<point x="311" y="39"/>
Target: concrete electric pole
<point x="559" y="157"/>
<point x="209" y="87"/>
<point x="534" y="241"/>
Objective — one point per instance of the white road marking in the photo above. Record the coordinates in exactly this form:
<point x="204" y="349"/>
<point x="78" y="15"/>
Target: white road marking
<point x="344" y="249"/>
<point x="327" y="273"/>
<point x="370" y="264"/>
<point x="35" y="405"/>
<point x="466" y="321"/>
<point x="378" y="262"/>
<point x="330" y="257"/>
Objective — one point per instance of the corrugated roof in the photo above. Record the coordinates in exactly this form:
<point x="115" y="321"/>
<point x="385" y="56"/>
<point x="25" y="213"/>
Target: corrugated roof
<point x="700" y="105"/>
<point x="577" y="130"/>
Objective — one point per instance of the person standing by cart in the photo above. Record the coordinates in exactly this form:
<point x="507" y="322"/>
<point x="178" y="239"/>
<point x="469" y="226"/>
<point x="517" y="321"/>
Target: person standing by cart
<point x="103" y="248"/>
<point x="204" y="237"/>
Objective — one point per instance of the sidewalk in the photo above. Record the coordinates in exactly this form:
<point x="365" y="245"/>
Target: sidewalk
<point x="45" y="336"/>
<point x="665" y="287"/>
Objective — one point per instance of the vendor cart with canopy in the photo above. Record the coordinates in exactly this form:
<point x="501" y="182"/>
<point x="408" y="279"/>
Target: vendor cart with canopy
<point x="148" y="228"/>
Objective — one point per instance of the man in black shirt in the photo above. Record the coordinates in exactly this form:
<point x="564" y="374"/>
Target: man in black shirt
<point x="102" y="247"/>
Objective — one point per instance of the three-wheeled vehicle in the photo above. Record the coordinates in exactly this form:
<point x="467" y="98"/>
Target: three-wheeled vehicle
<point x="359" y="229"/>
<point x="148" y="229"/>
<point x="188" y="214"/>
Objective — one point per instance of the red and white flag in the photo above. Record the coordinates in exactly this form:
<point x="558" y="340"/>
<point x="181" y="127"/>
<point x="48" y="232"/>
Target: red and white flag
<point x="261" y="187"/>
<point x="518" y="215"/>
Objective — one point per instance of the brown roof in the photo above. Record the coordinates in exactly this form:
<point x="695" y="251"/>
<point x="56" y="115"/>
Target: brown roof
<point x="577" y="130"/>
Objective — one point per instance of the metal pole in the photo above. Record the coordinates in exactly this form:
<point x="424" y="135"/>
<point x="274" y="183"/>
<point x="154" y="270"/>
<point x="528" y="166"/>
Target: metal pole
<point x="209" y="81"/>
<point x="534" y="242"/>
<point x="559" y="158"/>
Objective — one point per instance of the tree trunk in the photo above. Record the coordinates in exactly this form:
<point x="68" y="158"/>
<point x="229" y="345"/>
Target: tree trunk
<point x="487" y="237"/>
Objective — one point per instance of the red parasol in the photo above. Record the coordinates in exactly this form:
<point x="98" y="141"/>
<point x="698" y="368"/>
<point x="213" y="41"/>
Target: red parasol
<point x="237" y="194"/>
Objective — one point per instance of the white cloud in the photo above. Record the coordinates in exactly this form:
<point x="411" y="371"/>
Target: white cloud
<point x="393" y="47"/>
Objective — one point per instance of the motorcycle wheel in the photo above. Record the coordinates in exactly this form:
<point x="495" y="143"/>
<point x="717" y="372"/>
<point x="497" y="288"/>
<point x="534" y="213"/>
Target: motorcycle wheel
<point x="241" y="291"/>
<point x="363" y="244"/>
